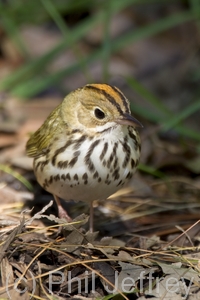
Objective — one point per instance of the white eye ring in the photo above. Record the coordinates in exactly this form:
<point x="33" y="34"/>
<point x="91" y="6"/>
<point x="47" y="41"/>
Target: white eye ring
<point x="99" y="114"/>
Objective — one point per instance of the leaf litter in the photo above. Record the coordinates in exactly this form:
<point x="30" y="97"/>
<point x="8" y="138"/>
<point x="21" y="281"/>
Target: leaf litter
<point x="45" y="265"/>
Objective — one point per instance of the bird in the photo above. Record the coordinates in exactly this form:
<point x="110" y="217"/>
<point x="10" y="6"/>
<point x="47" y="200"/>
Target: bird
<point x="87" y="148"/>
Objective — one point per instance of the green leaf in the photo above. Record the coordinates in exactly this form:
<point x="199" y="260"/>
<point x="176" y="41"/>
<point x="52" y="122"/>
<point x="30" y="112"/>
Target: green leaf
<point x="31" y="87"/>
<point x="15" y="174"/>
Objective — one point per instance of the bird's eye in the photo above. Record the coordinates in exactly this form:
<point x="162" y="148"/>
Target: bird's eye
<point x="99" y="114"/>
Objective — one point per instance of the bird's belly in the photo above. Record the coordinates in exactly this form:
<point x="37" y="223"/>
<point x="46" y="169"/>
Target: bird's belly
<point x="81" y="192"/>
<point x="87" y="175"/>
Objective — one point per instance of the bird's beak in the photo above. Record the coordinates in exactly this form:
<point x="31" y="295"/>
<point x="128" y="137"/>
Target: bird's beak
<point x="127" y="119"/>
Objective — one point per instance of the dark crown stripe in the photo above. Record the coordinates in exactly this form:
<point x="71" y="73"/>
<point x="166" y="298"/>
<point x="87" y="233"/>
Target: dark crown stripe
<point x="122" y="97"/>
<point x="107" y="95"/>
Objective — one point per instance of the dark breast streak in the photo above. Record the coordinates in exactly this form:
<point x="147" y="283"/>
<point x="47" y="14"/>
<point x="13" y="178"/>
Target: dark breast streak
<point x="76" y="145"/>
<point x="87" y="158"/>
<point x="127" y="151"/>
<point x="61" y="150"/>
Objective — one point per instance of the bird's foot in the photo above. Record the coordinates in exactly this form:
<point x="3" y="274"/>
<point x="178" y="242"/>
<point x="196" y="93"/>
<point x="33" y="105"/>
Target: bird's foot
<point x="63" y="214"/>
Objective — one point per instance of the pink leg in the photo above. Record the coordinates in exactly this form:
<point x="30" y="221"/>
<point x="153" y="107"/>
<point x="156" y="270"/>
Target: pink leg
<point x="61" y="212"/>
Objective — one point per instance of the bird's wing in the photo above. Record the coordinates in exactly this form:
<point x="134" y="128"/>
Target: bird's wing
<point x="39" y="142"/>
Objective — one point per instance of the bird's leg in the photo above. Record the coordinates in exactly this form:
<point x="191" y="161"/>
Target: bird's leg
<point x="61" y="211"/>
<point x="91" y="216"/>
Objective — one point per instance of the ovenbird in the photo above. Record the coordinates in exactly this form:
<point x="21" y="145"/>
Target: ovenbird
<point x="87" y="148"/>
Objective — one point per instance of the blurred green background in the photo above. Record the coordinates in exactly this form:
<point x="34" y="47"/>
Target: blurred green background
<point x="148" y="48"/>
